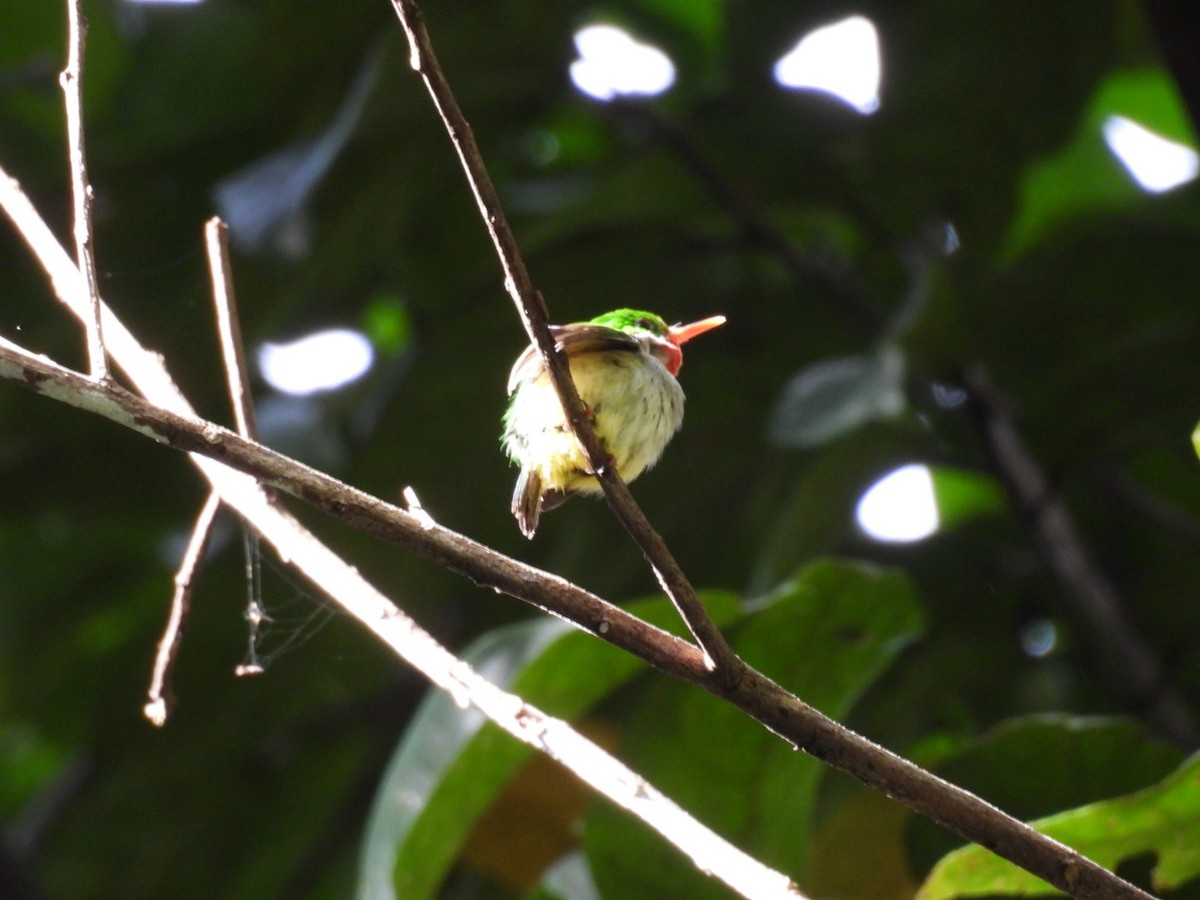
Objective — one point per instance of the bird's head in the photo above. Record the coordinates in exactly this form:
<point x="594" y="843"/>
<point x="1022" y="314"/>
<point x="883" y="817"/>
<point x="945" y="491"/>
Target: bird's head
<point x="660" y="339"/>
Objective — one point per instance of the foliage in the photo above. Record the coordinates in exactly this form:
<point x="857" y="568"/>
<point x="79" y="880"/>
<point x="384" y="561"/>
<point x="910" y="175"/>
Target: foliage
<point x="1159" y="820"/>
<point x="1070" y="285"/>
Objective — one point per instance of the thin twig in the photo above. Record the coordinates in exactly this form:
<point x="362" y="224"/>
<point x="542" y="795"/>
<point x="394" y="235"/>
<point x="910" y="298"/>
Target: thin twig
<point x="1130" y="668"/>
<point x="237" y="377"/>
<point x="216" y="241"/>
<point x="532" y="307"/>
<point x="161" y="697"/>
<point x="754" y="693"/>
<point x="71" y="80"/>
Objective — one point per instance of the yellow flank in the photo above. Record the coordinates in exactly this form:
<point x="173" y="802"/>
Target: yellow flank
<point x="637" y="405"/>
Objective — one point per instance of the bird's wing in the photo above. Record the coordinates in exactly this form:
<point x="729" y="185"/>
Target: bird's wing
<point x="570" y="339"/>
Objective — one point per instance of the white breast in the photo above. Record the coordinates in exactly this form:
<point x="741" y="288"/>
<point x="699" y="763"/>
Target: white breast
<point x="638" y="407"/>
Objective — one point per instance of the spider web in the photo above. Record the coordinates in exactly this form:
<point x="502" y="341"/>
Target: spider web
<point x="281" y="626"/>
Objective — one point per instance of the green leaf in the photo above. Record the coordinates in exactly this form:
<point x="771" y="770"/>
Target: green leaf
<point x="1033" y="766"/>
<point x="1085" y="177"/>
<point x="1163" y="819"/>
<point x="962" y="494"/>
<point x="450" y="764"/>
<point x="826" y="400"/>
<point x="826" y="635"/>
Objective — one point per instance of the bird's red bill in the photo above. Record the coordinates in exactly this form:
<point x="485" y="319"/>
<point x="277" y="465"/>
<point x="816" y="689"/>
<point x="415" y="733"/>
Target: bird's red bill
<point x="681" y="333"/>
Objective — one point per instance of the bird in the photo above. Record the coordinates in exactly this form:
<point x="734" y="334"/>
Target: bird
<point x="624" y="364"/>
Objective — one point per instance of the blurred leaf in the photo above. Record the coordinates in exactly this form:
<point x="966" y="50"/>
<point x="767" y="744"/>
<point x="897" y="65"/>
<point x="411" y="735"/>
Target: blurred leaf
<point x="1164" y="820"/>
<point x="1085" y="176"/>
<point x="869" y="827"/>
<point x="811" y="512"/>
<point x="830" y="398"/>
<point x="451" y="765"/>
<point x="1033" y="766"/>
<point x="387" y="323"/>
<point x="826" y="635"/>
<point x="962" y="495"/>
<point x="264" y="201"/>
<point x="31" y="760"/>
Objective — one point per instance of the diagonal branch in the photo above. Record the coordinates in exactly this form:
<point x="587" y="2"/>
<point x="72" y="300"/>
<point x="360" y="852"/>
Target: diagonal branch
<point x="532" y="308"/>
<point x="1127" y="664"/>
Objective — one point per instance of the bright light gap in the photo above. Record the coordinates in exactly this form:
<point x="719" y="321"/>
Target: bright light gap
<point x="321" y="361"/>
<point x="841" y="59"/>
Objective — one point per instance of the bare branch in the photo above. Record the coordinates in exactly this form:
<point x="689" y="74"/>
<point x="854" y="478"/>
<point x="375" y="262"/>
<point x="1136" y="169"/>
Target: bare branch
<point x="216" y="241"/>
<point x="532" y="307"/>
<point x="161" y="698"/>
<point x="72" y="85"/>
<point x="1130" y="668"/>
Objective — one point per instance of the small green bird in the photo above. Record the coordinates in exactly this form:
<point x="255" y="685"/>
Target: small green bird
<point x="624" y="365"/>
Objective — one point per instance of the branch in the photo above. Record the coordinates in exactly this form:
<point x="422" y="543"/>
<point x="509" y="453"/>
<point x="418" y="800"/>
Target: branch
<point x="532" y="307"/>
<point x="160" y="700"/>
<point x="237" y="375"/>
<point x="1131" y="670"/>
<point x="752" y="692"/>
<point x="81" y="191"/>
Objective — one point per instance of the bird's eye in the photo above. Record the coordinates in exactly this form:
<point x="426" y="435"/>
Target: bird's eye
<point x="644" y="323"/>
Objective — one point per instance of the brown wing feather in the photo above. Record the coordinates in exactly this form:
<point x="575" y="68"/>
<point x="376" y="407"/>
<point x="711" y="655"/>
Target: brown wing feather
<point x="570" y="339"/>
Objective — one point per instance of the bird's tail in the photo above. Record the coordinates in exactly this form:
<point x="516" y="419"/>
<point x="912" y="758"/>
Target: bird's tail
<point x="527" y="501"/>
